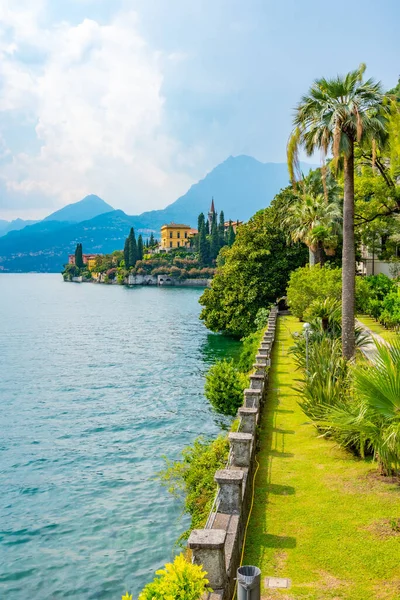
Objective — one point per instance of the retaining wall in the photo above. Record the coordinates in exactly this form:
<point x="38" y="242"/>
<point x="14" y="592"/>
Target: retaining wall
<point x="219" y="545"/>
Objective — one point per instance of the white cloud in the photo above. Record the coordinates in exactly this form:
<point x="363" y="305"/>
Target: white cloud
<point x="95" y="100"/>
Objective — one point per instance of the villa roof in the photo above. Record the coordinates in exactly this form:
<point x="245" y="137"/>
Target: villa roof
<point x="180" y="225"/>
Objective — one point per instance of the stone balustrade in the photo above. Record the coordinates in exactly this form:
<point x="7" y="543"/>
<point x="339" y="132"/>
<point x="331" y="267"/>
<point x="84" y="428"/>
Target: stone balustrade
<point x="219" y="548"/>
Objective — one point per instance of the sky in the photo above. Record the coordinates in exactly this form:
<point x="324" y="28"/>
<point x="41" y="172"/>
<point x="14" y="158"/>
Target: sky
<point x="137" y="100"/>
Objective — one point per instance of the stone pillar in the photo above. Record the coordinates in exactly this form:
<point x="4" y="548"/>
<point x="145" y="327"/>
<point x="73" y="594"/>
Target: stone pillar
<point x="261" y="359"/>
<point x="248" y="418"/>
<point x="252" y="398"/>
<point x="256" y="382"/>
<point x="266" y="345"/>
<point x="208" y="547"/>
<point x="230" y="484"/>
<point x="241" y="447"/>
<point x="259" y="369"/>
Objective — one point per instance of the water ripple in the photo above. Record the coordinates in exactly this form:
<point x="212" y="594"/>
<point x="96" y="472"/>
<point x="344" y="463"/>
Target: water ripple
<point x="97" y="383"/>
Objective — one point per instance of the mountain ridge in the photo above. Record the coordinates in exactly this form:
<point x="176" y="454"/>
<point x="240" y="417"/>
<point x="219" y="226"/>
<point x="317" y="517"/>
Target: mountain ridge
<point x="240" y="186"/>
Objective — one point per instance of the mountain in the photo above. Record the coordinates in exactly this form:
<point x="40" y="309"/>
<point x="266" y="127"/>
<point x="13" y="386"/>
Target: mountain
<point x="91" y="206"/>
<point x="240" y="186"/>
<point x="16" y="225"/>
<point x="46" y="245"/>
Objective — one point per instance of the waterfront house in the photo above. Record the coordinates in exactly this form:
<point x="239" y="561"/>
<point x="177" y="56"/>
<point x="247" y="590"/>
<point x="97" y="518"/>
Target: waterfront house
<point x="175" y="235"/>
<point x="88" y="259"/>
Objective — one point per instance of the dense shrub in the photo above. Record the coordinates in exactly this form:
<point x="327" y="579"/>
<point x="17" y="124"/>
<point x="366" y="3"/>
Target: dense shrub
<point x="308" y="284"/>
<point x="224" y="387"/>
<point x="381" y="300"/>
<point x="250" y="345"/>
<point x="193" y="477"/>
<point x="254" y="273"/>
<point x="180" y="580"/>
<point x="261" y="319"/>
<point x="357" y="405"/>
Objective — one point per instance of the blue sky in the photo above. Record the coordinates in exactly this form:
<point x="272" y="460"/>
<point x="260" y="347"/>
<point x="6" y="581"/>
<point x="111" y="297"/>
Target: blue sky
<point x="135" y="101"/>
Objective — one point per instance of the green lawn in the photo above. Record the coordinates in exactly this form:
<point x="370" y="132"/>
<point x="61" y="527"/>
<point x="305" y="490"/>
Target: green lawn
<point x="320" y="516"/>
<point x="376" y="327"/>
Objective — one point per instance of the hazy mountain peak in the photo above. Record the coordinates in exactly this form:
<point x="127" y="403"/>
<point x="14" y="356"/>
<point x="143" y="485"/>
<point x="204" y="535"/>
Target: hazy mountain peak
<point x="89" y="207"/>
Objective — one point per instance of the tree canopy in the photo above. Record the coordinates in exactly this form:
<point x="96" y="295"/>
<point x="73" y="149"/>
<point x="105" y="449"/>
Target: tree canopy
<point x="255" y="273"/>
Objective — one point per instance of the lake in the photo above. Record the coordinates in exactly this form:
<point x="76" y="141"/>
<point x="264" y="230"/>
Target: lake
<point x="97" y="384"/>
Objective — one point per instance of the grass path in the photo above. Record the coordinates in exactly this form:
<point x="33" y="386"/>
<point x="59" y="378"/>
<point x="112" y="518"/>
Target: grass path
<point x="320" y="516"/>
<point x="375" y="327"/>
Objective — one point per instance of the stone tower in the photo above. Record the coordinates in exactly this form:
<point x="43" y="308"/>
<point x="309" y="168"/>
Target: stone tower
<point x="211" y="213"/>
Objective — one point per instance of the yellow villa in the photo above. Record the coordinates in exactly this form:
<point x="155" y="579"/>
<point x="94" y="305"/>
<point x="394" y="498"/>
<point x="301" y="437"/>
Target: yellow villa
<point x="175" y="235"/>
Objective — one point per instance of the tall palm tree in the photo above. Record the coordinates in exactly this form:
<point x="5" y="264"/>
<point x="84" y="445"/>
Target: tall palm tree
<point x="332" y="117"/>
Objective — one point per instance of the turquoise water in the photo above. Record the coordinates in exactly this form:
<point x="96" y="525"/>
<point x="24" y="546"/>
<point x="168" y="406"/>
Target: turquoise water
<point x="97" y="383"/>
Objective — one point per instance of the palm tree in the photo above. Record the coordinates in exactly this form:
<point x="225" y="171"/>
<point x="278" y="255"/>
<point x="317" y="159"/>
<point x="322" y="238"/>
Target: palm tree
<point x="333" y="116"/>
<point x="314" y="220"/>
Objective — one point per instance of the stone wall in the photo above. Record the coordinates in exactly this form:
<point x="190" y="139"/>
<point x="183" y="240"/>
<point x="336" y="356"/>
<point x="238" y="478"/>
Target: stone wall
<point x="173" y="281"/>
<point x="218" y="547"/>
<point x="166" y="280"/>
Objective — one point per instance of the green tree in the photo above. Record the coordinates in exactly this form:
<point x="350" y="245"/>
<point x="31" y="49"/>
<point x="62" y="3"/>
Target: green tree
<point x="152" y="240"/>
<point x="79" y="256"/>
<point x="207" y="227"/>
<point x="214" y="242"/>
<point x="254" y="275"/>
<point x="140" y="248"/>
<point x="133" y="255"/>
<point x="335" y="115"/>
<point x="230" y="238"/>
<point x="315" y="221"/>
<point x="200" y="223"/>
<point x="221" y="229"/>
<point x="204" y="249"/>
<point x="126" y="253"/>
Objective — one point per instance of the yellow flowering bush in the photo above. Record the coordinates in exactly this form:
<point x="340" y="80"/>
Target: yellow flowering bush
<point x="179" y="580"/>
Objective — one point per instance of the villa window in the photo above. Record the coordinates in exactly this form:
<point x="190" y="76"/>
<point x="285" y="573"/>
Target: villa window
<point x="178" y="244"/>
<point x="178" y="235"/>
<point x="185" y="235"/>
<point x="170" y="244"/>
<point x="170" y="236"/>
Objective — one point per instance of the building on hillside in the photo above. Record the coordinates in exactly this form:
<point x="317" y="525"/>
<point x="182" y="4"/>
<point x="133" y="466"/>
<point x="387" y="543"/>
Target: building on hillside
<point x="372" y="264"/>
<point x="88" y="259"/>
<point x="175" y="235"/>
<point x="235" y="225"/>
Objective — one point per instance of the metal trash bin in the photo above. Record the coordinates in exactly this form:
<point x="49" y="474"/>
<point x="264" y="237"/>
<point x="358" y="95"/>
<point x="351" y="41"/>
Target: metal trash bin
<point x="249" y="583"/>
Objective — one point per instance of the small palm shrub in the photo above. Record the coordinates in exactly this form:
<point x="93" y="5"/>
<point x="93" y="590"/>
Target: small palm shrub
<point x="224" y="387"/>
<point x="325" y="380"/>
<point x="178" y="580"/>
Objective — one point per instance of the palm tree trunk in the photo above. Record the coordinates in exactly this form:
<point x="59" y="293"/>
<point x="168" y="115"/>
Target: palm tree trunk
<point x="311" y="255"/>
<point x="348" y="259"/>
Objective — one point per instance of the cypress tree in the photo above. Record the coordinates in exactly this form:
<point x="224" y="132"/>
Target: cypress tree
<point x="204" y="253"/>
<point x="151" y="243"/>
<point x="231" y="234"/>
<point x="140" y="247"/>
<point x="200" y="223"/>
<point x="221" y="229"/>
<point x="126" y="253"/>
<point x="207" y="228"/>
<point x="132" y="248"/>
<point x="214" y="243"/>
<point x="79" y="256"/>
